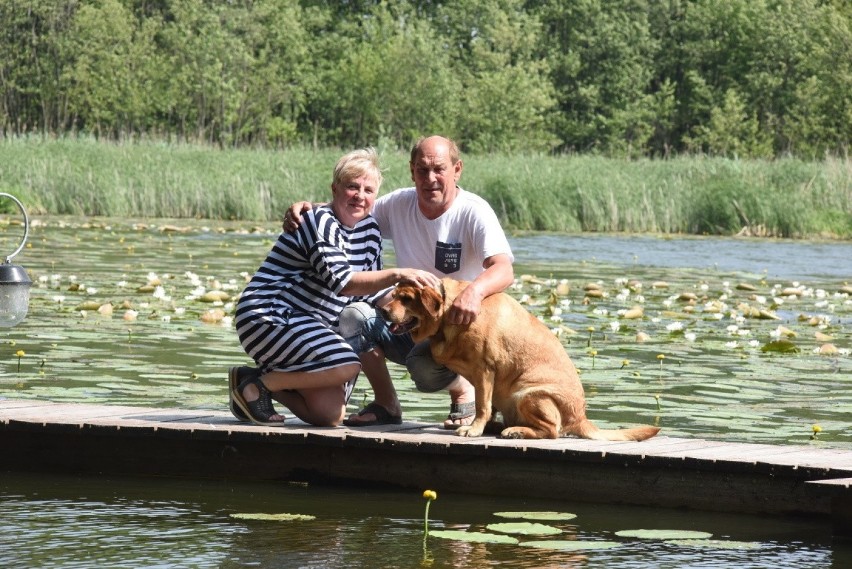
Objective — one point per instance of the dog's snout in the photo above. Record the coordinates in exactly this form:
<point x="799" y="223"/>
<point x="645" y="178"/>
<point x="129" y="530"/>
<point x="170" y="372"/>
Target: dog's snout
<point x="384" y="313"/>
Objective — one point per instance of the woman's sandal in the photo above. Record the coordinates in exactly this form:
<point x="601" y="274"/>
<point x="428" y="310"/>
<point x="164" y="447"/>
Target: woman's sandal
<point x="260" y="410"/>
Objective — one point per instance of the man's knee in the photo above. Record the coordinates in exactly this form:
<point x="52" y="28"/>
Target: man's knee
<point x="428" y="375"/>
<point x="354" y="319"/>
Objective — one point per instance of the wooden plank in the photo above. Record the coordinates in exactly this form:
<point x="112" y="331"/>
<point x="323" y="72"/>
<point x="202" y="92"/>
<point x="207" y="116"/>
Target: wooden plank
<point x="838" y="482"/>
<point x="666" y="471"/>
<point x="815" y="458"/>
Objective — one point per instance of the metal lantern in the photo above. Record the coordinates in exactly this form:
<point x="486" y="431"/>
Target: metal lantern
<point x="14" y="282"/>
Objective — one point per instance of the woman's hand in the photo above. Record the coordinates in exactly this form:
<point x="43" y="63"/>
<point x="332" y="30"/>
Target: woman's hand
<point x="419" y="278"/>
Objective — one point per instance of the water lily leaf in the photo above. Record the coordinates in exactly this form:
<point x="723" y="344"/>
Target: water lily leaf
<point x="564" y="545"/>
<point x="663" y="534"/>
<point x="273" y="517"/>
<point x="781" y="346"/>
<point x="214" y="296"/>
<point x="828" y="350"/>
<point x="715" y="543"/>
<point x="524" y="528"/>
<point x="475" y="537"/>
<point x="549" y="516"/>
<point x="633" y="313"/>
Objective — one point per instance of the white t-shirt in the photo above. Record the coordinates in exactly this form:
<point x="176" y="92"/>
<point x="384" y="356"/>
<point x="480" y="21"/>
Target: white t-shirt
<point x="454" y="245"/>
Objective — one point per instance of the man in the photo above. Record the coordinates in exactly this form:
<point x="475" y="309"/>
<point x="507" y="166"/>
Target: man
<point x="438" y="227"/>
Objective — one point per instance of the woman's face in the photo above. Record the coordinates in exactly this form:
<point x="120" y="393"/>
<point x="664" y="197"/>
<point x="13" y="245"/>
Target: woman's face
<point x="353" y="200"/>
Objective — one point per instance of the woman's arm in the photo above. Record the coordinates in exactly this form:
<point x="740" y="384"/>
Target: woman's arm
<point x="369" y="282"/>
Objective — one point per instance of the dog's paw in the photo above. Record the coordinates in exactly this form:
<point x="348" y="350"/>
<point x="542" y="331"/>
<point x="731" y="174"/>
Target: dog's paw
<point x="512" y="433"/>
<point x="469" y="431"/>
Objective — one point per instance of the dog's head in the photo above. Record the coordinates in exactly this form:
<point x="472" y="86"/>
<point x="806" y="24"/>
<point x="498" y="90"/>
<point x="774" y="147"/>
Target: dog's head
<point x="415" y="310"/>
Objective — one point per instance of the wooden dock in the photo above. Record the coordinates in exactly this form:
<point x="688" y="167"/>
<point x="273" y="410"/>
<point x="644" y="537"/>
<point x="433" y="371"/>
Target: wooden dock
<point x="663" y="471"/>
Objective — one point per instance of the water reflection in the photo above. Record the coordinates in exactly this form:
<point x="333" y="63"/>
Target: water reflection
<point x="56" y="521"/>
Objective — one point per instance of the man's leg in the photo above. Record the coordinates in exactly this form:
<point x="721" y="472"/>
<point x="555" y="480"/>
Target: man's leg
<point x="369" y="336"/>
<point x="430" y="376"/>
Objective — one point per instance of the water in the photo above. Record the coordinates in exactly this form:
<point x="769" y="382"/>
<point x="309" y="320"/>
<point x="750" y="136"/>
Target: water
<point x="68" y="522"/>
<point x="154" y="350"/>
<point x="781" y="259"/>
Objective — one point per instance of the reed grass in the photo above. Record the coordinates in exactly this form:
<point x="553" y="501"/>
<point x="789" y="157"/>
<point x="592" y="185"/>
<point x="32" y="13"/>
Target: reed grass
<point x="690" y="195"/>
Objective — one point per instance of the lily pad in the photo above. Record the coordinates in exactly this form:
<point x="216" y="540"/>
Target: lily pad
<point x="473" y="536"/>
<point x="663" y="534"/>
<point x="548" y="516"/>
<point x="524" y="528"/>
<point x="715" y="543"/>
<point x="564" y="545"/>
<point x="781" y="346"/>
<point x="274" y="517"/>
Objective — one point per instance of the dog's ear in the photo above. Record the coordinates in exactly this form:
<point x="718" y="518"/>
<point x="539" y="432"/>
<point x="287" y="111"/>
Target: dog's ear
<point x="432" y="301"/>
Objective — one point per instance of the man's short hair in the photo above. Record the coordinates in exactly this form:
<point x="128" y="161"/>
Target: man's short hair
<point x="454" y="149"/>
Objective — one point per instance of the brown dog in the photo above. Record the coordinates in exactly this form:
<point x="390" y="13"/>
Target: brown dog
<point x="516" y="365"/>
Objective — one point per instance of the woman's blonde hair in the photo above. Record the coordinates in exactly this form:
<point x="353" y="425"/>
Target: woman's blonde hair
<point x="357" y="163"/>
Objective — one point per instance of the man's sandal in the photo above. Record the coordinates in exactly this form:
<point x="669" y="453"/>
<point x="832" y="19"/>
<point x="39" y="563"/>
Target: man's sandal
<point x="383" y="417"/>
<point x="260" y="410"/>
<point x="459" y="412"/>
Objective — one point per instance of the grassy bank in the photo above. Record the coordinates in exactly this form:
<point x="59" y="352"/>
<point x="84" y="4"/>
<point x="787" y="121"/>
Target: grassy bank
<point x="694" y="195"/>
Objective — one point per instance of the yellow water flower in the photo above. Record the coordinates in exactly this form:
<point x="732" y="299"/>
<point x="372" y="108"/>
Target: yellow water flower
<point x="816" y="431"/>
<point x="429" y="495"/>
<point x="20" y="354"/>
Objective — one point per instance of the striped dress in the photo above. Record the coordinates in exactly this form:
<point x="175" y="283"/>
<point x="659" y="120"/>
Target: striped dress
<point x="287" y="314"/>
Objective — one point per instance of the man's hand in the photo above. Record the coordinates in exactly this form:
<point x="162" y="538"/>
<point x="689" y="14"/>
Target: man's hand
<point x="465" y="307"/>
<point x="293" y="216"/>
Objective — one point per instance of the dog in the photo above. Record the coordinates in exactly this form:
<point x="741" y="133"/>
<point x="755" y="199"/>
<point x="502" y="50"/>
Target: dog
<point x="516" y="365"/>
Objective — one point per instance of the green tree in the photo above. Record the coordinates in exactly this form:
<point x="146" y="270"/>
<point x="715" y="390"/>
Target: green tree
<point x="32" y="58"/>
<point x="269" y="95"/>
<point x="602" y="54"/>
<point x="507" y="100"/>
<point x="767" y="52"/>
<point x="106" y="80"/>
<point x="732" y="131"/>
<point x="386" y="77"/>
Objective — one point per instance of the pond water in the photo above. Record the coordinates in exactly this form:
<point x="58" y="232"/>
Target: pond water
<point x="738" y="339"/>
<point x="67" y="522"/>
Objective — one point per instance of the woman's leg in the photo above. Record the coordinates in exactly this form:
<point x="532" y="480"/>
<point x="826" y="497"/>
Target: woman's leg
<point x="314" y="356"/>
<point x="318" y="398"/>
<point x="321" y="407"/>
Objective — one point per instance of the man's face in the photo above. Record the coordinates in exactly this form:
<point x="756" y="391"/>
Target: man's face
<point x="435" y="178"/>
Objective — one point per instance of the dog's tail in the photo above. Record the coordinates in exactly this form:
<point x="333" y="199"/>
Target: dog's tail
<point x="587" y="430"/>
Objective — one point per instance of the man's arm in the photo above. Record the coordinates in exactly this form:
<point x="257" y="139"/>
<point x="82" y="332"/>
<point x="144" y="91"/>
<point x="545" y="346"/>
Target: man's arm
<point x="498" y="275"/>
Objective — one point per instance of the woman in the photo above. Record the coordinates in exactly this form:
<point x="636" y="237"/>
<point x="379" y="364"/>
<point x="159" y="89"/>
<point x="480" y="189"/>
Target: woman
<point x="287" y="314"/>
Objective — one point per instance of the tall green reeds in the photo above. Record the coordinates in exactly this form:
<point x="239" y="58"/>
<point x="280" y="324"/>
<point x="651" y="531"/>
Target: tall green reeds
<point x="693" y="195"/>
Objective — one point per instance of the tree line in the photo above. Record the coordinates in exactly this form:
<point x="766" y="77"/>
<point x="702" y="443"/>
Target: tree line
<point x="743" y="78"/>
